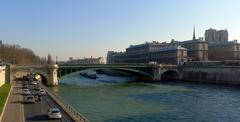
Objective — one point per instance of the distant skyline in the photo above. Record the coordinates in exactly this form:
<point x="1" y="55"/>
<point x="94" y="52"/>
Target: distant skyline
<point x="85" y="28"/>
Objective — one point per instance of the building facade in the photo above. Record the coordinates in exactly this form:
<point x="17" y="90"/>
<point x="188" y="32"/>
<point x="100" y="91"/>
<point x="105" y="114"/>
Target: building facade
<point x="220" y="48"/>
<point x="149" y="52"/>
<point x="197" y="49"/>
<point x="224" y="51"/>
<point x="216" y="36"/>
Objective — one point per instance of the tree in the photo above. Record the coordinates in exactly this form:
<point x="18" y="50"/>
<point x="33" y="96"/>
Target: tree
<point x="14" y="54"/>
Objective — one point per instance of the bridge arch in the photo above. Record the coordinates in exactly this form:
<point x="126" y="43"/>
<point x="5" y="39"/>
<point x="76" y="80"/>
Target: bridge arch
<point x="23" y="72"/>
<point x="48" y="73"/>
<point x="171" y="74"/>
<point x="62" y="74"/>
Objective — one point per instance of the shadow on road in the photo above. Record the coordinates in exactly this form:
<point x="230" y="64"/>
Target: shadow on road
<point x="21" y="102"/>
<point x="18" y="94"/>
<point x="17" y="87"/>
<point x="38" y="118"/>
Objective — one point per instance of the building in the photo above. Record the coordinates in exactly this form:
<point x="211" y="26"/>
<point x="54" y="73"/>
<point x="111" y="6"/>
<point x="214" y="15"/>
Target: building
<point x="149" y="52"/>
<point x="215" y="36"/>
<point x="229" y="50"/>
<point x="220" y="48"/>
<point x="197" y="49"/>
<point x="175" y="52"/>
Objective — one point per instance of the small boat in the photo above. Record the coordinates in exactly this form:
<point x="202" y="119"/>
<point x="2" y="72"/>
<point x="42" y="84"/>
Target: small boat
<point x="90" y="74"/>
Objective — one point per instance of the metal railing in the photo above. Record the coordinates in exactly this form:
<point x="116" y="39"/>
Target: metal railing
<point x="70" y="110"/>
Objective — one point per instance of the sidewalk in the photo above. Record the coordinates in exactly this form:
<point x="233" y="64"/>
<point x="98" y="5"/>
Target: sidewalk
<point x="14" y="111"/>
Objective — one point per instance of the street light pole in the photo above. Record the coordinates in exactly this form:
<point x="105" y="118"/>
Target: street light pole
<point x="56" y="59"/>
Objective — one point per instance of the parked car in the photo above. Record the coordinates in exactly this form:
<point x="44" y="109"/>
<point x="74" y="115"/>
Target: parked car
<point x="26" y="92"/>
<point x="29" y="99"/>
<point x="54" y="113"/>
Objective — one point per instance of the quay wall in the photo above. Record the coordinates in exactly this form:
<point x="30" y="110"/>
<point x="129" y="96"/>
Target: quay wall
<point x="212" y="74"/>
<point x="2" y="75"/>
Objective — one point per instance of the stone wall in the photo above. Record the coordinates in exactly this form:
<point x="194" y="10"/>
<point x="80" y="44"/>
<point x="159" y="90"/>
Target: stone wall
<point x="2" y="75"/>
<point x="212" y="74"/>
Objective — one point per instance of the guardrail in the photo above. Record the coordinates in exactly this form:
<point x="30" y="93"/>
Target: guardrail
<point x="74" y="114"/>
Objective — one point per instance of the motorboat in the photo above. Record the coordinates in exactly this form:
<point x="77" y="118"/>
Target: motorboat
<point x="90" y="74"/>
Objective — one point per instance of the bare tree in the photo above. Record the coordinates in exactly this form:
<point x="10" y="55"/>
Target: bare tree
<point x="14" y="54"/>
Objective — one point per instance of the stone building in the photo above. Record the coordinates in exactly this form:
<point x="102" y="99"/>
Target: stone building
<point x="219" y="47"/>
<point x="197" y="49"/>
<point x="149" y="52"/>
<point x="193" y="50"/>
<point x="224" y="51"/>
<point x="215" y="36"/>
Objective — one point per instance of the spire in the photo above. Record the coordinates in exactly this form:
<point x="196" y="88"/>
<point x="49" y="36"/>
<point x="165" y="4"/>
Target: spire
<point x="194" y="37"/>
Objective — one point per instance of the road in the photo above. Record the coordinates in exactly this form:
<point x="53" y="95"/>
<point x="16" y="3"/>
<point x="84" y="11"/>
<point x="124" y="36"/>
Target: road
<point x="38" y="110"/>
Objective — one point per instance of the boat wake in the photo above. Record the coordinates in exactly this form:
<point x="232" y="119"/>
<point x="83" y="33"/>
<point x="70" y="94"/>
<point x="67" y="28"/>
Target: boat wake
<point x="102" y="79"/>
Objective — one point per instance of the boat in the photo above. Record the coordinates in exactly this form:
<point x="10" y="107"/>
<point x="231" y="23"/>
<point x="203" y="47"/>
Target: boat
<point x="90" y="74"/>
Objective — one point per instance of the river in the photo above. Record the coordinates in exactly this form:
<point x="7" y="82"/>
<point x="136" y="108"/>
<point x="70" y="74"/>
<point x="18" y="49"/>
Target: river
<point x="115" y="99"/>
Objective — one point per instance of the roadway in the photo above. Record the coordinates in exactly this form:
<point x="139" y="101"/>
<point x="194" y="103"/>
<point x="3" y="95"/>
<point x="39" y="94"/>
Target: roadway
<point x="38" y="111"/>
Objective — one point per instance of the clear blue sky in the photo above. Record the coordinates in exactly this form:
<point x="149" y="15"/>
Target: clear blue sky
<point x="87" y="28"/>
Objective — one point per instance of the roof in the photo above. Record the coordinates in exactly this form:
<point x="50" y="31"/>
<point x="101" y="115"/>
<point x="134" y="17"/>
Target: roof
<point x="187" y="41"/>
<point x="145" y="44"/>
<point x="54" y="109"/>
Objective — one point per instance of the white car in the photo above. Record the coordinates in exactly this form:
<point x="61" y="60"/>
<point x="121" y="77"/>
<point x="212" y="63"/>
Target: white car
<point x="26" y="91"/>
<point x="29" y="99"/>
<point x="54" y="113"/>
<point x="34" y="83"/>
<point x="42" y="92"/>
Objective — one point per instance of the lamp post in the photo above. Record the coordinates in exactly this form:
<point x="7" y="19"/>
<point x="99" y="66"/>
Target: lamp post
<point x="56" y="60"/>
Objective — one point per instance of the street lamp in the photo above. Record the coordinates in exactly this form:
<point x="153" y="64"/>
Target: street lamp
<point x="56" y="60"/>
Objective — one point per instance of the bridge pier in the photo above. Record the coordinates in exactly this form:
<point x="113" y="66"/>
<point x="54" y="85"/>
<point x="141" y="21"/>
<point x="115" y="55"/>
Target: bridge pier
<point x="157" y="72"/>
<point x="53" y="75"/>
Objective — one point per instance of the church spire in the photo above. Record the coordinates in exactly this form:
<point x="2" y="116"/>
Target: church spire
<point x="194" y="37"/>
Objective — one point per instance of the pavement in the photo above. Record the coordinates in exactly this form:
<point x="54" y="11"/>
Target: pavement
<point x="14" y="108"/>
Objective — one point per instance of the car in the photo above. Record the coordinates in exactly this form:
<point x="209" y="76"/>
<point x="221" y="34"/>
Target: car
<point x="26" y="92"/>
<point x="54" y="113"/>
<point x="29" y="99"/>
<point x="34" y="83"/>
<point x="37" y="87"/>
<point x="42" y="92"/>
<point x="25" y="86"/>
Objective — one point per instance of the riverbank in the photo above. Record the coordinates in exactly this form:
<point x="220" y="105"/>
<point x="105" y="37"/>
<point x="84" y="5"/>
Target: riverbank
<point x="4" y="91"/>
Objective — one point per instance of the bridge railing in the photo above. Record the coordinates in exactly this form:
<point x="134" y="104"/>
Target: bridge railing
<point x="75" y="115"/>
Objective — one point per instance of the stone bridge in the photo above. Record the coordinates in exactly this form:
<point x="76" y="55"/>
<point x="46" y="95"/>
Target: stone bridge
<point x="51" y="73"/>
<point x="48" y="73"/>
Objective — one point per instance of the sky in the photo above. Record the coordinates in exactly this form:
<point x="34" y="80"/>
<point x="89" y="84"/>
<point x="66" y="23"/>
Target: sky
<point x="85" y="28"/>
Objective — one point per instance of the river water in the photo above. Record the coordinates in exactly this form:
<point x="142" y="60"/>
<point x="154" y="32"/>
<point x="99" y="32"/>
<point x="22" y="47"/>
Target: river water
<point x="115" y="99"/>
